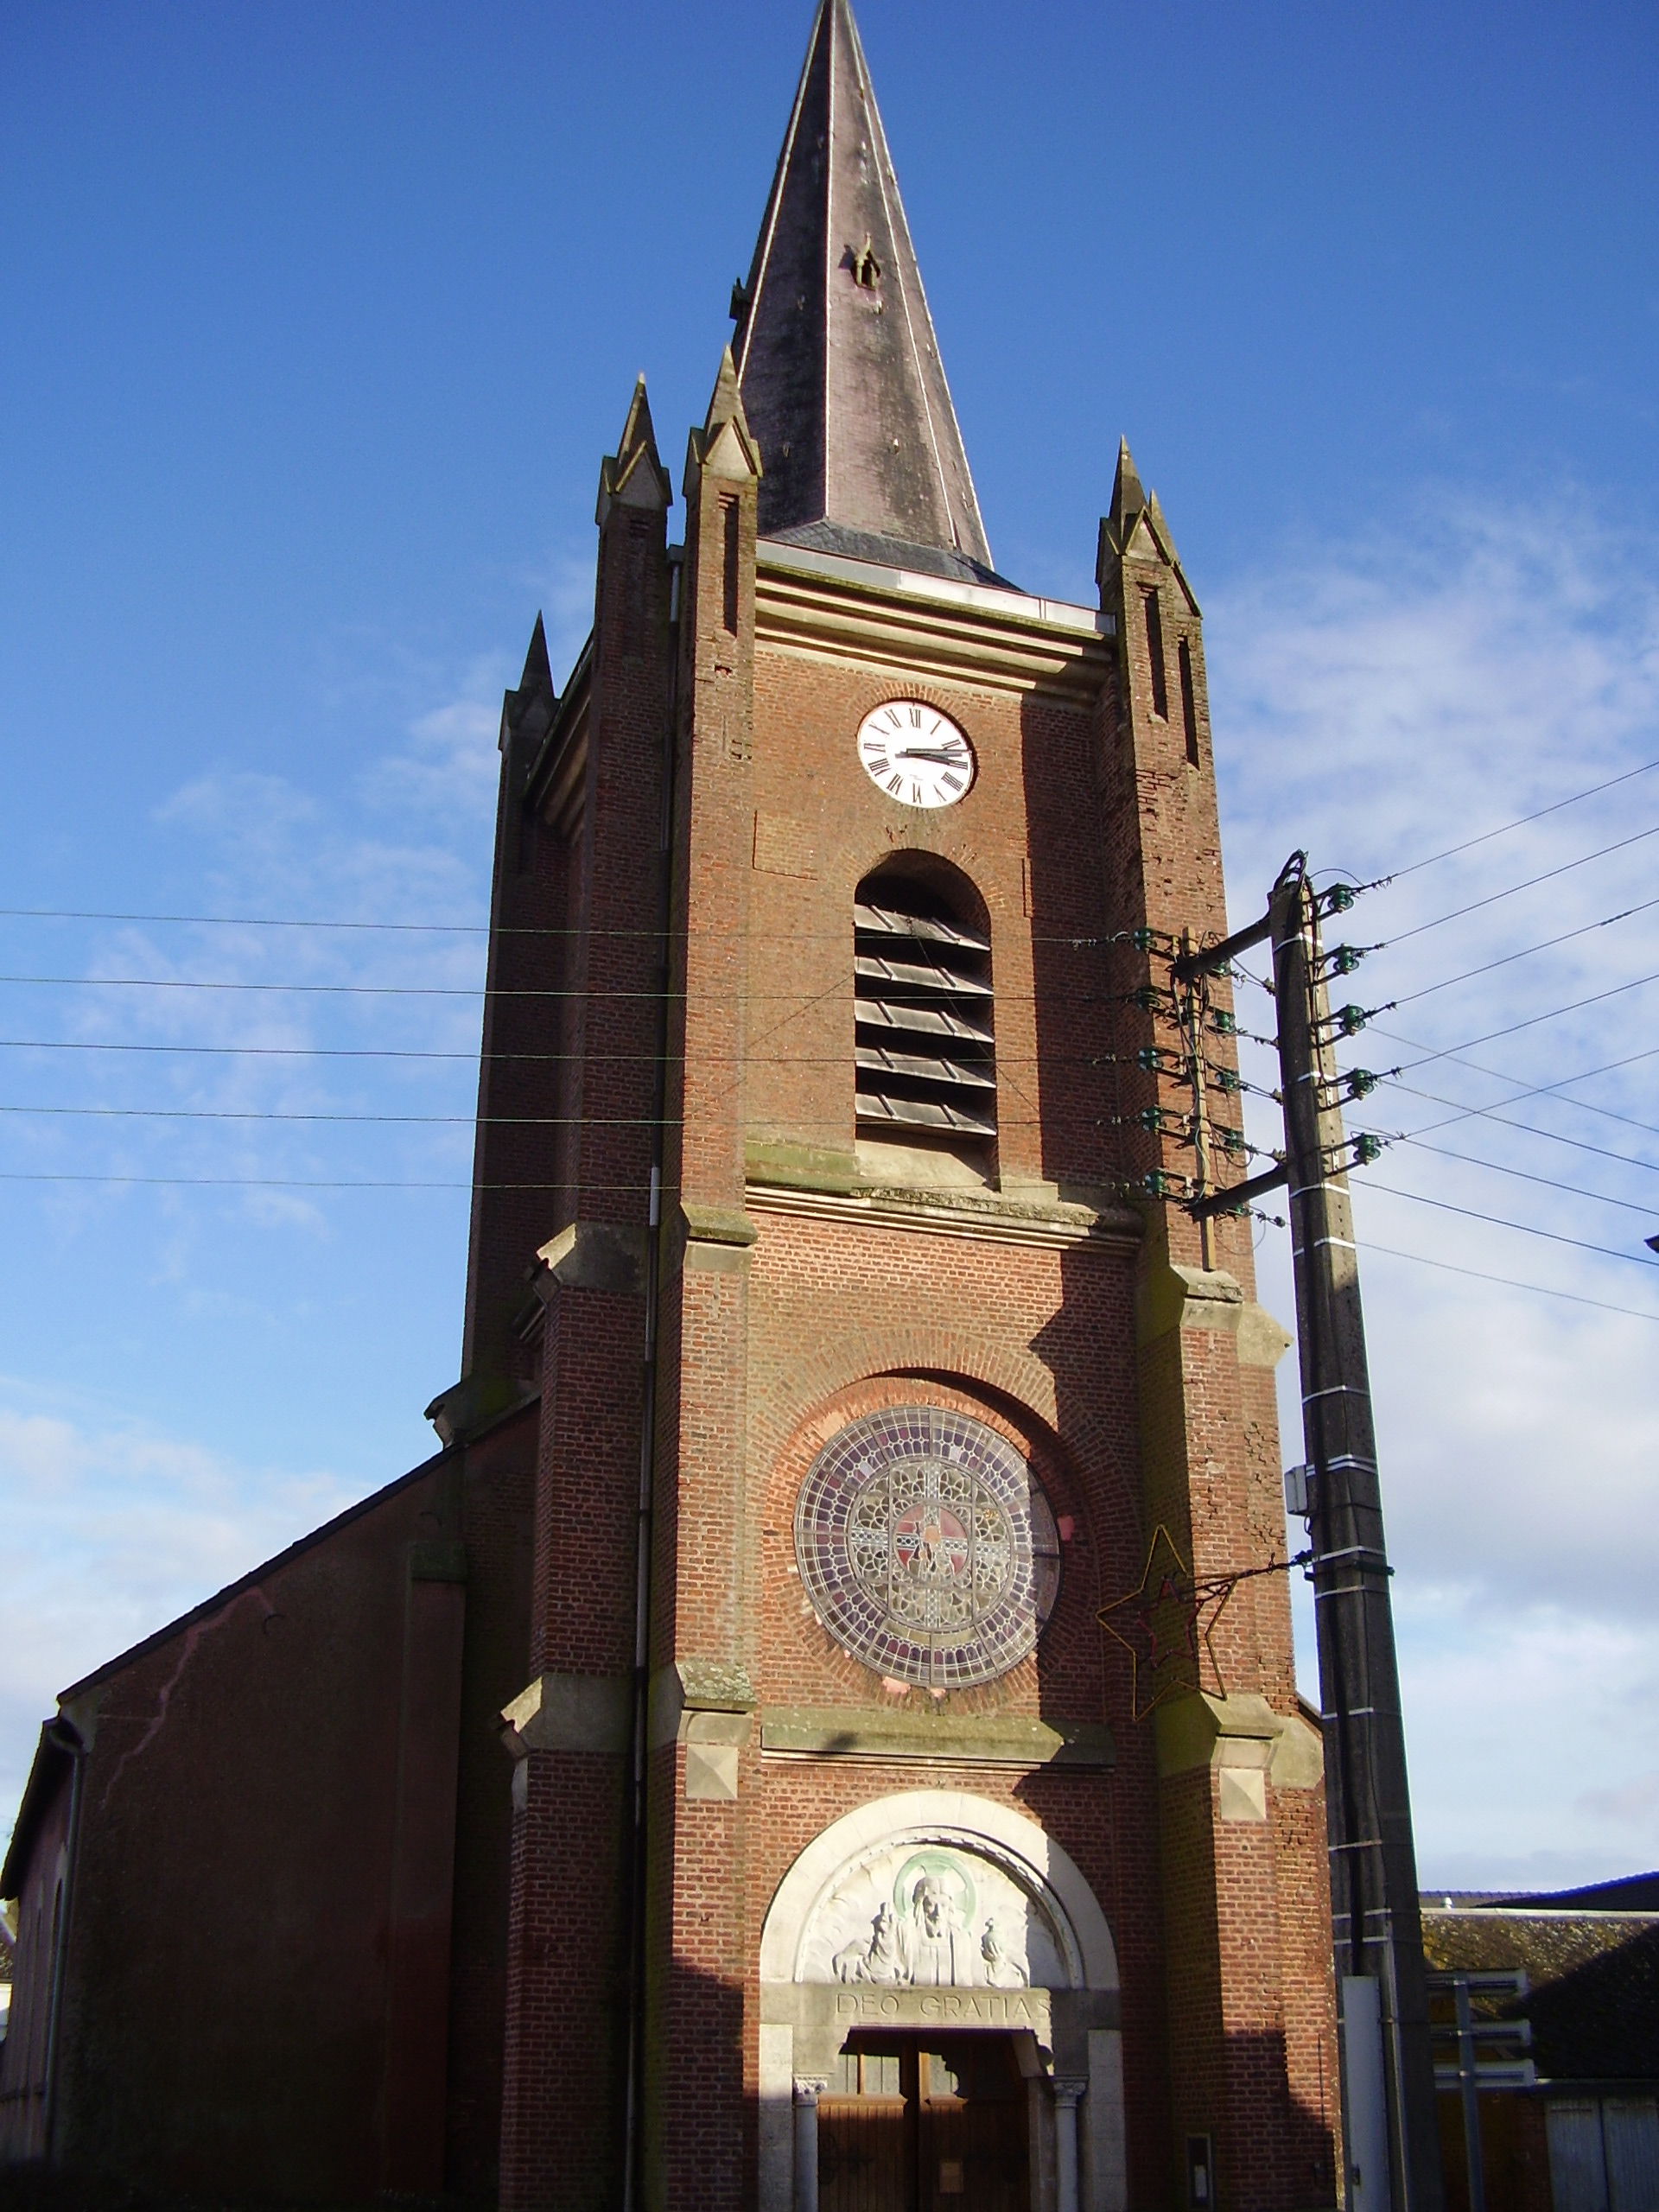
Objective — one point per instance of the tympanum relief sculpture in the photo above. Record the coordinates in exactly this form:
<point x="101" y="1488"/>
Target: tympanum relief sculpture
<point x="928" y="1918"/>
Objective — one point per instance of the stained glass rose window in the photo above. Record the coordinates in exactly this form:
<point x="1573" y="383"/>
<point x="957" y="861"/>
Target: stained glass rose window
<point x="927" y="1547"/>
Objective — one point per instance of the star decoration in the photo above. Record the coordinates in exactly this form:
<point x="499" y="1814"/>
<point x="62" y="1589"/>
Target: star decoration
<point x="1157" y="1623"/>
<point x="1168" y="1616"/>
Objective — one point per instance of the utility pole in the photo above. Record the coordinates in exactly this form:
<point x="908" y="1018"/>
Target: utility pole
<point x="1390" y="2126"/>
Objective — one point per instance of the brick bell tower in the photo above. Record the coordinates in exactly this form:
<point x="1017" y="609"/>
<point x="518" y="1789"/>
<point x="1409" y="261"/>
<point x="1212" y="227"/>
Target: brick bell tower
<point x="852" y="1863"/>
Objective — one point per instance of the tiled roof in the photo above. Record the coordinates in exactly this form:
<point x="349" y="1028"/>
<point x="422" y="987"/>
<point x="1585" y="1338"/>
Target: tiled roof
<point x="1594" y="1996"/>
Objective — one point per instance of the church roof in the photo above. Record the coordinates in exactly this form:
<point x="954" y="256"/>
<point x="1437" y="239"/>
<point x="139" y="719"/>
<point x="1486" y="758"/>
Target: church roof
<point x="836" y="356"/>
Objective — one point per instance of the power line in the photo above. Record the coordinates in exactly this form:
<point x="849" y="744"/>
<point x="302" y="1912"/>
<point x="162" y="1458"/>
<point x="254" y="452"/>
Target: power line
<point x="1549" y="944"/>
<point x="1520" y="823"/>
<point x="1497" y="1221"/>
<point x="1531" y="1023"/>
<point x="588" y="995"/>
<point x="492" y="1059"/>
<point x="1539" y="1089"/>
<point x="1522" y="1175"/>
<point x="331" y="990"/>
<point x="1549" y="876"/>
<point x="293" y="1183"/>
<point x="273" y="922"/>
<point x="1508" y="1283"/>
<point x="483" y="929"/>
<point x="1526" y="1128"/>
<point x="436" y="1121"/>
<point x="1078" y="941"/>
<point x="279" y="1051"/>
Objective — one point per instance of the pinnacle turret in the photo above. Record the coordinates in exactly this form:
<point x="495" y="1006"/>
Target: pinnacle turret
<point x="537" y="678"/>
<point x="1127" y="497"/>
<point x="634" y="472"/>
<point x="725" y="444"/>
<point x="837" y="355"/>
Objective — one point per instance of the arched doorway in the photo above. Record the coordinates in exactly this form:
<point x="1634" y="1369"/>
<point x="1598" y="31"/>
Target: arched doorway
<point x="923" y="1955"/>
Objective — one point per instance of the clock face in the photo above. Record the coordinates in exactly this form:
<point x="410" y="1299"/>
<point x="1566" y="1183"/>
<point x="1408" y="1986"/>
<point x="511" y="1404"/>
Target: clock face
<point x="915" y="755"/>
<point x="926" y="1546"/>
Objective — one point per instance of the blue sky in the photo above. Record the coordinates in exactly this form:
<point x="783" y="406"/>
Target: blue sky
<point x="316" y="324"/>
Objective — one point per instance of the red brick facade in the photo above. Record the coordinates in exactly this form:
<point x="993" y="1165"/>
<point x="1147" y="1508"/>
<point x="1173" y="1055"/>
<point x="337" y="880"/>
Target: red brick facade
<point x="802" y="1277"/>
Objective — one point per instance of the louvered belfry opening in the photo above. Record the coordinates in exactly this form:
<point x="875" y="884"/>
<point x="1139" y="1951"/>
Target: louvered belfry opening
<point x="924" y="1052"/>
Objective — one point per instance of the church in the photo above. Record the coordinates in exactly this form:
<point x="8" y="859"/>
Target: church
<point x="774" y="1754"/>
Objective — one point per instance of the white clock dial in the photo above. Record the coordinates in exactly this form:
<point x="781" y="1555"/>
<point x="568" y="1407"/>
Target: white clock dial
<point x="915" y="755"/>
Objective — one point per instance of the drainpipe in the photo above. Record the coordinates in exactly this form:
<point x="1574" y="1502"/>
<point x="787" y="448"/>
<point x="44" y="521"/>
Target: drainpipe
<point x="640" y="1746"/>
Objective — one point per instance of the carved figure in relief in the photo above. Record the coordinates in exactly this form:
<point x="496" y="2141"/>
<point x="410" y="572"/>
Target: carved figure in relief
<point x="1000" y="1971"/>
<point x="942" y="1953"/>
<point x="882" y="1958"/>
<point x="934" y="1929"/>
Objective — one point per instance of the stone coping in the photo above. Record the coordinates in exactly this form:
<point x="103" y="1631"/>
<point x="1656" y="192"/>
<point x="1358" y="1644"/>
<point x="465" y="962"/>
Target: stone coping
<point x="978" y="1740"/>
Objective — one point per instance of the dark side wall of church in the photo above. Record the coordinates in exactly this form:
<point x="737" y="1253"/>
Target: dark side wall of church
<point x="285" y="1953"/>
<point x="498" y="1510"/>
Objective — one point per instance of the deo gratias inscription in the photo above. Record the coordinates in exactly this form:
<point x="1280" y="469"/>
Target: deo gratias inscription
<point x="961" y="2008"/>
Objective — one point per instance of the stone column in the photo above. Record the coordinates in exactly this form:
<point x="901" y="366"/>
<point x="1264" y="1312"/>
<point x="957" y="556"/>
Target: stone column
<point x="809" y="2087"/>
<point x="1066" y="2097"/>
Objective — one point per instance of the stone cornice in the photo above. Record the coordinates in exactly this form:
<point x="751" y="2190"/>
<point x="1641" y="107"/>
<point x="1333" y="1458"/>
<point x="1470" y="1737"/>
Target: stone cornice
<point x="987" y="1219"/>
<point x="973" y="1739"/>
<point x="999" y="641"/>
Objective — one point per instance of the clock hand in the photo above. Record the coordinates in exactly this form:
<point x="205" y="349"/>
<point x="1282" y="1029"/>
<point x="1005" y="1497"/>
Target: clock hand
<point x="926" y="752"/>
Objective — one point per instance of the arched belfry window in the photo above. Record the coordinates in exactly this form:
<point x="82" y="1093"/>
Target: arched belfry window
<point x="924" y="1039"/>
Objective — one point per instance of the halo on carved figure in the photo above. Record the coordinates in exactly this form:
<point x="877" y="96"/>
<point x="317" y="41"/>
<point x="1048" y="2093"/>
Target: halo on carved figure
<point x="926" y="1546"/>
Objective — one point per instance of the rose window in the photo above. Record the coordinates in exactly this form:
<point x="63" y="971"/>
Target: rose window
<point x="926" y="1546"/>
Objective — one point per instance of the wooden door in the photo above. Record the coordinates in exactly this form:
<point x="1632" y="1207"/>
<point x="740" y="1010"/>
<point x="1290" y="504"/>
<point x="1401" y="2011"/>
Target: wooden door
<point x="867" y="2128"/>
<point x="904" y="2127"/>
<point x="971" y="2131"/>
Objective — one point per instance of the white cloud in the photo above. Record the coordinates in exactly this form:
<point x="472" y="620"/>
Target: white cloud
<point x="1375" y="703"/>
<point x="449" y="764"/>
<point x="1509" y="1733"/>
<point x="113" y="1529"/>
<point x="247" y="1006"/>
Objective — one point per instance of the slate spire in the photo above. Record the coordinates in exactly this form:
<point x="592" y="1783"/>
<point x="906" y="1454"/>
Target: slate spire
<point x="836" y="357"/>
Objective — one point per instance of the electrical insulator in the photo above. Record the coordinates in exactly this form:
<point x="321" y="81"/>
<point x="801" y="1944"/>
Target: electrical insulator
<point x="1228" y="1081"/>
<point x="1144" y="940"/>
<point x="1223" y="1024"/>
<point x="1150" y="1058"/>
<point x="1337" y="899"/>
<point x="1366" y="1149"/>
<point x="1352" y="1019"/>
<point x="1158" y="1185"/>
<point x="1361" y="1083"/>
<point x="1346" y="958"/>
<point x="1153" y="1118"/>
<point x="1231" y="1139"/>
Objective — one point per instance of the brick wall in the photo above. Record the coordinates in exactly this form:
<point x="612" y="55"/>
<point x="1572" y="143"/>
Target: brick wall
<point x="1090" y="818"/>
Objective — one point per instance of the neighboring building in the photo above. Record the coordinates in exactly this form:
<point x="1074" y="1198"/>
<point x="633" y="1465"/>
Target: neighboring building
<point x="732" y="1687"/>
<point x="1585" y="2139"/>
